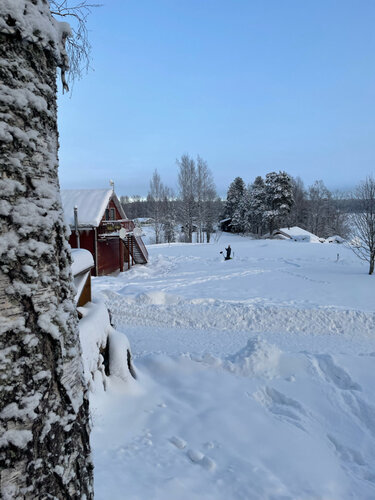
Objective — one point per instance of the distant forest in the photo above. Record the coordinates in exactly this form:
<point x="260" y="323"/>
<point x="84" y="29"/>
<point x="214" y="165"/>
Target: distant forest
<point x="257" y="208"/>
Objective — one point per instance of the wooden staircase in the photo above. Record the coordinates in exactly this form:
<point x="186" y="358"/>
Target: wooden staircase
<point x="136" y="249"/>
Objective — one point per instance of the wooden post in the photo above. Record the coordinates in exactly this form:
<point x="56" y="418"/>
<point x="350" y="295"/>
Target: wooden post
<point x="121" y="255"/>
<point x="128" y="252"/>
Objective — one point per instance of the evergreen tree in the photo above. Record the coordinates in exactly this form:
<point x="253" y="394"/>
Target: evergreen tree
<point x="279" y="198"/>
<point x="239" y="219"/>
<point x="234" y="196"/>
<point x="256" y="207"/>
<point x="245" y="208"/>
<point x="237" y="225"/>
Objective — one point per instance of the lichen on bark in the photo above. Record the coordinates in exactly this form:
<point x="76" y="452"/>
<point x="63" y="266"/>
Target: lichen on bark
<point x="44" y="415"/>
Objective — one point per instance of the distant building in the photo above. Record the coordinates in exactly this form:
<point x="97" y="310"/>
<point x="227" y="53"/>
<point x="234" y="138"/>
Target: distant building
<point x="294" y="233"/>
<point x="99" y="224"/>
<point x="226" y="224"/>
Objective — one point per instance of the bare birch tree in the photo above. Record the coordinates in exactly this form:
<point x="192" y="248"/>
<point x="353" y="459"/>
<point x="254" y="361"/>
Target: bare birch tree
<point x="187" y="182"/>
<point x="363" y="223"/>
<point x="78" y="45"/>
<point x="206" y="194"/>
<point x="169" y="215"/>
<point x="155" y="198"/>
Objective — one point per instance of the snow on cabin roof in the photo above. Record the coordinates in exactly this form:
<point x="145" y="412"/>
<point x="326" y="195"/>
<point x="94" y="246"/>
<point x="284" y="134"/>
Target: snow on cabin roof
<point x="294" y="231"/>
<point x="82" y="260"/>
<point x="91" y="204"/>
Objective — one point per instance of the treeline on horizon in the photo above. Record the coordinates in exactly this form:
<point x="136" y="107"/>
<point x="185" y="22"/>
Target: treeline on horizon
<point x="259" y="207"/>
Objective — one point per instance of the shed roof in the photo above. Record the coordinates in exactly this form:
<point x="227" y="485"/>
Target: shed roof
<point x="90" y="203"/>
<point x="295" y="232"/>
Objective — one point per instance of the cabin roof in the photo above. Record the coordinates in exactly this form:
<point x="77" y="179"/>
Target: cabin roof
<point x="294" y="231"/>
<point x="90" y="203"/>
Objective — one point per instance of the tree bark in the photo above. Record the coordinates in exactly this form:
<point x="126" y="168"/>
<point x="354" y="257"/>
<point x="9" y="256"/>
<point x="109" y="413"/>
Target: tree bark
<point x="371" y="266"/>
<point x="44" y="417"/>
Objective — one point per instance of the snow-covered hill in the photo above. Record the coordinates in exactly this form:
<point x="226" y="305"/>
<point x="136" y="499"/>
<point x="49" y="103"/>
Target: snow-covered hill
<point x="255" y="375"/>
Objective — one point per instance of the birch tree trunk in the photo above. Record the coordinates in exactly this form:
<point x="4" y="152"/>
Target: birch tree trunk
<point x="44" y="415"/>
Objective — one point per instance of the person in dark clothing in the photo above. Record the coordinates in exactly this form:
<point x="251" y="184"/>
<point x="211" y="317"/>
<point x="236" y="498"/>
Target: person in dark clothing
<point x="229" y="251"/>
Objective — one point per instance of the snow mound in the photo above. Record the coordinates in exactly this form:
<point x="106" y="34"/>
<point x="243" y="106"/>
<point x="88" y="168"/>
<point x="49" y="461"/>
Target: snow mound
<point x="106" y="353"/>
<point x="120" y="356"/>
<point x="335" y="239"/>
<point x="158" y="298"/>
<point x="82" y="260"/>
<point x="257" y="358"/>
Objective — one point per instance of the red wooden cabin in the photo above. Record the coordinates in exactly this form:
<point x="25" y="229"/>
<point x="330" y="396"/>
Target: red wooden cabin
<point x="98" y="223"/>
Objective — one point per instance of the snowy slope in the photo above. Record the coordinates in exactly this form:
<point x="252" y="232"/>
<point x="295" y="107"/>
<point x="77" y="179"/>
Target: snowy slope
<point x="255" y="376"/>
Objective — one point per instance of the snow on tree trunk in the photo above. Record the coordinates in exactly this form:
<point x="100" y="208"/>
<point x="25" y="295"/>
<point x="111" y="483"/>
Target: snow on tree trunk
<point x="44" y="426"/>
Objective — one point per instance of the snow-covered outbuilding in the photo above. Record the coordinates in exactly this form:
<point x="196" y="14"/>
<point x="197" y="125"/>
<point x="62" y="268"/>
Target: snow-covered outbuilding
<point x="335" y="239"/>
<point x="225" y="224"/>
<point x="99" y="224"/>
<point x="295" y="233"/>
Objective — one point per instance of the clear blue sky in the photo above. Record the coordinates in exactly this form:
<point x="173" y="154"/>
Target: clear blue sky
<point x="250" y="85"/>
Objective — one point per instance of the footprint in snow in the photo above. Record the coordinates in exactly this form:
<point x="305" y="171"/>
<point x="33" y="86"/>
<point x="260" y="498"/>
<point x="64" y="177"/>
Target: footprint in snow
<point x="353" y="459"/>
<point x="337" y="375"/>
<point x="208" y="463"/>
<point x="198" y="457"/>
<point x="195" y="456"/>
<point x="363" y="411"/>
<point x="178" y="442"/>
<point x="282" y="406"/>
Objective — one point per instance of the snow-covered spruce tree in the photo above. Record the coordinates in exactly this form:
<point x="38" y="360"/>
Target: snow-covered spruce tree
<point x="279" y="198"/>
<point x="238" y="219"/>
<point x="234" y="196"/>
<point x="44" y="417"/>
<point x="245" y="211"/>
<point x="257" y="206"/>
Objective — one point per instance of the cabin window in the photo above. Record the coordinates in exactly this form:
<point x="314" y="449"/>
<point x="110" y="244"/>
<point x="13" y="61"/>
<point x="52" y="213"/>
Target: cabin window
<point x="107" y="214"/>
<point x="112" y="213"/>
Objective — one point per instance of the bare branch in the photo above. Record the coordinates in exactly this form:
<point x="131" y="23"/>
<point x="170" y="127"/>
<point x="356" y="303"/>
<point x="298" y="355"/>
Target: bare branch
<point x="363" y="223"/>
<point x="78" y="45"/>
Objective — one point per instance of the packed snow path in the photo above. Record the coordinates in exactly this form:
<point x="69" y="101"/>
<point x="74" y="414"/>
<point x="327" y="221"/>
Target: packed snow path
<point x="270" y="286"/>
<point x="256" y="375"/>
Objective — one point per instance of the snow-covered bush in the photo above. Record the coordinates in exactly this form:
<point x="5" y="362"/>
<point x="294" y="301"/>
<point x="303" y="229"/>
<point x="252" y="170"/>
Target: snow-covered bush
<point x="257" y="358"/>
<point x="105" y="352"/>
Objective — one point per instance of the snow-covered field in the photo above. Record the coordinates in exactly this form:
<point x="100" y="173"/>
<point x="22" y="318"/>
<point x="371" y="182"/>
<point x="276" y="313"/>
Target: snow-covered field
<point x="255" y="380"/>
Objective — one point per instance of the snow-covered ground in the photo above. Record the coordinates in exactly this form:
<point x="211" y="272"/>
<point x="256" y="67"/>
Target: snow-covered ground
<point x="255" y="380"/>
